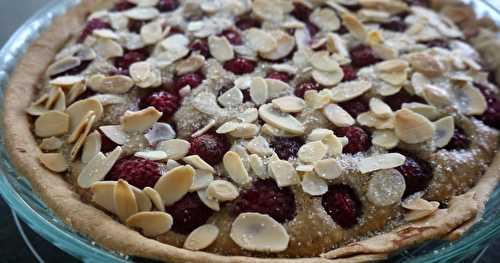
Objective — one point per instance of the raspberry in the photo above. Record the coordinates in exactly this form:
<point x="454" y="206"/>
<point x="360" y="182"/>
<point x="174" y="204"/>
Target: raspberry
<point x="201" y="46"/>
<point x="300" y="91"/>
<point x="277" y="75"/>
<point x="350" y="73"/>
<point x="233" y="36"/>
<point x="129" y="58"/>
<point x="136" y="171"/>
<point x="355" y="106"/>
<point x="167" y="5"/>
<point x="458" y="141"/>
<point x="396" y="101"/>
<point x="417" y="175"/>
<point x="74" y="71"/>
<point x="123" y="5"/>
<point x="188" y="213"/>
<point x="492" y="115"/>
<point x="442" y="43"/>
<point x="192" y="79"/>
<point x="135" y="25"/>
<point x="107" y="145"/>
<point x="301" y="11"/>
<point x="266" y="197"/>
<point x="342" y="205"/>
<point x="163" y="101"/>
<point x="363" y="56"/>
<point x="359" y="139"/>
<point x="240" y="66"/>
<point x="394" y="25"/>
<point x="247" y="22"/>
<point x="92" y="25"/>
<point x="287" y="148"/>
<point x="211" y="147"/>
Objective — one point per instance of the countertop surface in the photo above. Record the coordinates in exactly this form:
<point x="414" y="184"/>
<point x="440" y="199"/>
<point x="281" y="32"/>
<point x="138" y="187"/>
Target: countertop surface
<point x="13" y="248"/>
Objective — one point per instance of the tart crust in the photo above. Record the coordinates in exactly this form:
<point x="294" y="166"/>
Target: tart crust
<point x="88" y="220"/>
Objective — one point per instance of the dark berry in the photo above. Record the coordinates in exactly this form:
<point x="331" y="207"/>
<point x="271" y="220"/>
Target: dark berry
<point x="487" y="92"/>
<point x="355" y="106"/>
<point x="200" y="46"/>
<point x="277" y="75"/>
<point x="342" y="205"/>
<point x="359" y="139"/>
<point x="211" y="147"/>
<point x="130" y="58"/>
<point x="417" y="175"/>
<point x="491" y="116"/>
<point x="350" y="73"/>
<point x="442" y="43"/>
<point x="458" y="141"/>
<point x="397" y="100"/>
<point x="74" y="71"/>
<point x="342" y="30"/>
<point x="287" y="148"/>
<point x="240" y="66"/>
<point x="167" y="5"/>
<point x="164" y="101"/>
<point x="135" y="25"/>
<point x="123" y="5"/>
<point x="188" y="213"/>
<point x="301" y="11"/>
<point x="302" y="88"/>
<point x="92" y="25"/>
<point x="107" y="145"/>
<point x="266" y="197"/>
<point x="424" y="3"/>
<point x="136" y="171"/>
<point x="312" y="28"/>
<point x="363" y="56"/>
<point x="395" y="25"/>
<point x="232" y="36"/>
<point x="353" y="7"/>
<point x="247" y="22"/>
<point x="192" y="79"/>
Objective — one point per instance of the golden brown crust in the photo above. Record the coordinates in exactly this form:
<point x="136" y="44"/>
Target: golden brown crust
<point x="92" y="222"/>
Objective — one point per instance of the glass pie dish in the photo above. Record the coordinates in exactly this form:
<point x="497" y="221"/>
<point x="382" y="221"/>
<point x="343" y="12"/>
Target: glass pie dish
<point x="18" y="194"/>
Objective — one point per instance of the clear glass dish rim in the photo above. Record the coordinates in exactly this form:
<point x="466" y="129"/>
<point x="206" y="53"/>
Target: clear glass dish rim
<point x="26" y="204"/>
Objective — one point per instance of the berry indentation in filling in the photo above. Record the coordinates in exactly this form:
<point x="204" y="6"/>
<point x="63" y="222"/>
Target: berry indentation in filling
<point x="136" y="171"/>
<point x="342" y="205"/>
<point x="211" y="147"/>
<point x="188" y="213"/>
<point x="359" y="139"/>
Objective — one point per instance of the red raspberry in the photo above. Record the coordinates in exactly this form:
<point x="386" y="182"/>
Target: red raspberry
<point x="287" y="148"/>
<point x="107" y="145"/>
<point x="417" y="175"/>
<point x="247" y="22"/>
<point x="130" y="57"/>
<point x="163" y="101"/>
<point x="300" y="90"/>
<point x="301" y="11"/>
<point x="277" y="75"/>
<point x="123" y="5"/>
<point x="233" y="36"/>
<point x="200" y="46"/>
<point x="442" y="43"/>
<point x="167" y="5"/>
<point x="363" y="56"/>
<point x="92" y="25"/>
<point x="458" y="141"/>
<point x="211" y="147"/>
<point x="192" y="79"/>
<point x="359" y="139"/>
<point x="240" y="66"/>
<point x="188" y="213"/>
<point x="350" y="73"/>
<point x="135" y="25"/>
<point x="355" y="106"/>
<point x="136" y="171"/>
<point x="342" y="205"/>
<point x="395" y="25"/>
<point x="266" y="197"/>
<point x="396" y="101"/>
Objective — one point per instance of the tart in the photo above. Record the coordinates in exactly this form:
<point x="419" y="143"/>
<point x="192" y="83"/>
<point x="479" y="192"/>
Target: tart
<point x="260" y="131"/>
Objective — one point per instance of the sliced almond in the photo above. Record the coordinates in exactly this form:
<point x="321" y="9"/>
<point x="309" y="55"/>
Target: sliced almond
<point x="327" y="78"/>
<point x="275" y="132"/>
<point x="354" y="26"/>
<point x="202" y="237"/>
<point x="54" y="162"/>
<point x="385" y="138"/>
<point x="276" y="88"/>
<point x="210" y="124"/>
<point x="349" y="90"/>
<point x="52" y="123"/>
<point x="222" y="191"/>
<point x="66" y="81"/>
<point x="436" y="96"/>
<point x="115" y="133"/>
<point x="38" y="108"/>
<point x="289" y="104"/>
<point x="107" y="48"/>
<point x="429" y="111"/>
<point x="176" y="149"/>
<point x="418" y="81"/>
<point x="152" y="224"/>
<point x="316" y="100"/>
<point x="173" y="185"/>
<point x="82" y="126"/>
<point x="427" y="64"/>
<point x="259" y="91"/>
<point x="393" y="71"/>
<point x="231" y="98"/>
<point x="78" y="110"/>
<point x="326" y="19"/>
<point x="117" y="84"/>
<point x="470" y="100"/>
<point x="190" y="64"/>
<point x="284" y="173"/>
<point x="280" y="120"/>
<point x="124" y="200"/>
<point x="259" y="145"/>
<point x="258" y="166"/>
<point x="259" y="40"/>
<point x="249" y="115"/>
<point x="257" y="232"/>
<point x="197" y="162"/>
<point x="444" y="130"/>
<point x="210" y="203"/>
<point x="318" y="134"/>
<point x="328" y="168"/>
<point x="334" y="144"/>
<point x="235" y="168"/>
<point x="155" y="198"/>
<point x="51" y="144"/>
<point x="140" y="121"/>
<point x="386" y="187"/>
<point x="103" y="196"/>
<point x="152" y="155"/>
<point x="91" y="147"/>
<point x="322" y="61"/>
<point x="142" y="13"/>
<point x="160" y="132"/>
<point x="245" y="130"/>
<point x="381" y="162"/>
<point x="201" y="180"/>
<point x="63" y="65"/>
<point x="338" y="116"/>
<point x="412" y="127"/>
<point x="220" y="48"/>
<point x="145" y="75"/>
<point x="304" y="168"/>
<point x="105" y="33"/>
<point x="380" y="108"/>
<point x="419" y="208"/>
<point x="285" y="45"/>
<point x="312" y="152"/>
<point x="97" y="168"/>
<point x="313" y="184"/>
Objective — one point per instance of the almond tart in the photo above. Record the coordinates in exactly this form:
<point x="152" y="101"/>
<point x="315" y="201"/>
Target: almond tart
<point x="260" y="131"/>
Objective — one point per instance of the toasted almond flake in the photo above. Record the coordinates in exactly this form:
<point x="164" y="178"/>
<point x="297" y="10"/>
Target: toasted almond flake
<point x="385" y="138"/>
<point x="142" y="13"/>
<point x="470" y="100"/>
<point x="173" y="185"/>
<point x="117" y="84"/>
<point x="81" y="129"/>
<point x="275" y="132"/>
<point x="259" y="40"/>
<point x="354" y="26"/>
<point x="334" y="144"/>
<point x="220" y="48"/>
<point x="328" y="168"/>
<point x="175" y="41"/>
<point x="257" y="232"/>
<point x="172" y="54"/>
<point x="444" y="130"/>
<point x="245" y="131"/>
<point x="436" y="96"/>
<point x="259" y="90"/>
<point x="427" y="64"/>
<point x="160" y="132"/>
<point x="56" y="100"/>
<point x="152" y="155"/>
<point x="419" y="208"/>
<point x="227" y="127"/>
<point x="124" y="200"/>
<point x="139" y="121"/>
<point x="304" y="168"/>
<point x="144" y="74"/>
<point x="280" y="120"/>
<point x="328" y="78"/>
<point x="326" y="19"/>
<point x="115" y="133"/>
<point x="259" y="145"/>
<point x="197" y="162"/>
<point x="284" y="173"/>
<point x="249" y="115"/>
<point x="290" y="69"/>
<point x="316" y="100"/>
<point x="52" y="123"/>
<point x="105" y="33"/>
<point x="386" y="187"/>
<point x="176" y="148"/>
<point x="210" y="203"/>
<point x="206" y="102"/>
<point x="91" y="147"/>
<point x="171" y="164"/>
<point x="289" y="104"/>
<point x="318" y="134"/>
<point x="380" y="108"/>
<point x="38" y="108"/>
<point x="374" y="38"/>
<point x="429" y="111"/>
<point x="393" y="7"/>
<point x="276" y="88"/>
<point x="322" y="61"/>
<point x="78" y="110"/>
<point x="381" y="162"/>
<point x="412" y="127"/>
<point x="152" y="224"/>
<point x="54" y="162"/>
<point x="210" y="124"/>
<point x="336" y="44"/>
<point x="285" y="45"/>
<point x="349" y="90"/>
<point x="104" y="99"/>
<point x="51" y="144"/>
<point x="418" y="81"/>
<point x="231" y="98"/>
<point x="152" y="32"/>
<point x="258" y="166"/>
<point x="338" y="116"/>
<point x="201" y="180"/>
<point x="191" y="64"/>
<point x="77" y="90"/>
<point x="313" y="184"/>
<point x="222" y="191"/>
<point x="143" y="201"/>
<point x="202" y="237"/>
<point x="63" y="65"/>
<point x="155" y="198"/>
<point x="235" y="168"/>
<point x="103" y="196"/>
<point x="66" y="81"/>
<point x="97" y="168"/>
<point x="107" y="48"/>
<point x="312" y="151"/>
